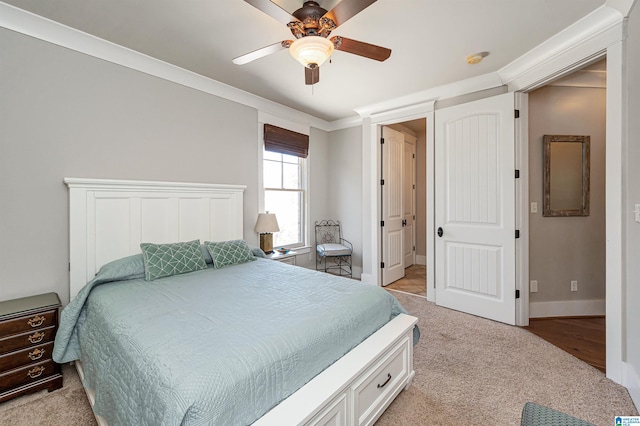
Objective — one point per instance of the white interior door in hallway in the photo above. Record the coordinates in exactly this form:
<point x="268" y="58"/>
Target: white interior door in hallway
<point x="392" y="148"/>
<point x="475" y="207"/>
<point x="409" y="200"/>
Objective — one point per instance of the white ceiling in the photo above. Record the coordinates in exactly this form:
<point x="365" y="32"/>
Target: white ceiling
<point x="430" y="40"/>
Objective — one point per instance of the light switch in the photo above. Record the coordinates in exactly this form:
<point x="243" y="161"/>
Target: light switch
<point x="534" y="207"/>
<point x="637" y="212"/>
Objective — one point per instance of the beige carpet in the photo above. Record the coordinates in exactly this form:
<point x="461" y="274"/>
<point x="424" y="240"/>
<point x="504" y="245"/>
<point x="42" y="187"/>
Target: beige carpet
<point x="472" y="371"/>
<point x="469" y="371"/>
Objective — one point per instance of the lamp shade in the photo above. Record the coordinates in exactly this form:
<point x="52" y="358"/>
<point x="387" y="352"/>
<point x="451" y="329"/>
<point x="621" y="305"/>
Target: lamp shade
<point x="266" y="223"/>
<point x="311" y="50"/>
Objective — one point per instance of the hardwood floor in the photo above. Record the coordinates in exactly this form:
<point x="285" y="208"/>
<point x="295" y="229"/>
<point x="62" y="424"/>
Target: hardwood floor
<point x="414" y="281"/>
<point x="582" y="337"/>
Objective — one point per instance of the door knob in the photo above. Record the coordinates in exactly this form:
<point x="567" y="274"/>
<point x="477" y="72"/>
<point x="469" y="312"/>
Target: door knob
<point x="404" y="222"/>
<point x="440" y="232"/>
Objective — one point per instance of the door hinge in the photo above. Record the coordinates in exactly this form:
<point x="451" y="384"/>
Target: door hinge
<point x="382" y="264"/>
<point x="413" y="156"/>
<point x="414" y="187"/>
<point x="381" y="181"/>
<point x="517" y="113"/>
<point x="69" y="266"/>
<point x="517" y="294"/>
<point x="382" y="223"/>
<point x="517" y="174"/>
<point x="381" y="141"/>
<point x="517" y="233"/>
<point x="414" y="217"/>
<point x="414" y="248"/>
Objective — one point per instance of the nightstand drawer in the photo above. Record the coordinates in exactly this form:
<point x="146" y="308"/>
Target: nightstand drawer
<point x="28" y="322"/>
<point x="28" y="339"/>
<point x="25" y="356"/>
<point x="27" y="374"/>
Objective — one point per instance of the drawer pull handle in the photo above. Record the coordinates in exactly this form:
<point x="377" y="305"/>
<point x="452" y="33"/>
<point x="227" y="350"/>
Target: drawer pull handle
<point x="36" y="337"/>
<point x="36" y="372"/>
<point x="385" y="382"/>
<point x="36" y="354"/>
<point x="36" y="321"/>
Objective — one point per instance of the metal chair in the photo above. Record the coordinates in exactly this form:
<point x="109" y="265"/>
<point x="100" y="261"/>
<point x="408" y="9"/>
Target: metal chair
<point x="333" y="253"/>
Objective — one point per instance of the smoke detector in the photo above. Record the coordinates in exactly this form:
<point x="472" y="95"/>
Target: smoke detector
<point x="476" y="58"/>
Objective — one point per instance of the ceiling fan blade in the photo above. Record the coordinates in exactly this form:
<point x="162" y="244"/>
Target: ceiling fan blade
<point x="273" y="10"/>
<point x="346" y="10"/>
<point x="260" y="53"/>
<point x="311" y="75"/>
<point x="360" y="48"/>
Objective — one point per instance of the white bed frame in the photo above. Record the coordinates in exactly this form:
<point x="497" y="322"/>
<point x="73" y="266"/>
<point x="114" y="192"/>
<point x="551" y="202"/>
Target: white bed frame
<point x="110" y="218"/>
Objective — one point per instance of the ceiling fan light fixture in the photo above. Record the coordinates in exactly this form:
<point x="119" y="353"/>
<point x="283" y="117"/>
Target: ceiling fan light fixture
<point x="311" y="50"/>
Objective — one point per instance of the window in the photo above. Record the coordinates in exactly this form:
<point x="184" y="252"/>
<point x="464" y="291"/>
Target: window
<point x="284" y="195"/>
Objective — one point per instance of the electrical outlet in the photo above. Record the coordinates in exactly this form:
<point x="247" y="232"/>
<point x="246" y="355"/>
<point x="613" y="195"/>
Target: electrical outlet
<point x="574" y="285"/>
<point x="534" y="207"/>
<point x="533" y="286"/>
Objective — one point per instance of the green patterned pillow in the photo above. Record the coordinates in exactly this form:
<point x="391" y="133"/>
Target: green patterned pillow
<point x="226" y="253"/>
<point x="163" y="260"/>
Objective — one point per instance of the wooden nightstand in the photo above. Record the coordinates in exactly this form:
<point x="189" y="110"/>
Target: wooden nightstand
<point x="289" y="258"/>
<point x="27" y="330"/>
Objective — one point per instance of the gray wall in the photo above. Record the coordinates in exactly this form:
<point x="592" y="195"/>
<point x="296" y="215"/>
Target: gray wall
<point x="65" y="114"/>
<point x="319" y="199"/>
<point x="344" y="189"/>
<point x="631" y="292"/>
<point x="562" y="249"/>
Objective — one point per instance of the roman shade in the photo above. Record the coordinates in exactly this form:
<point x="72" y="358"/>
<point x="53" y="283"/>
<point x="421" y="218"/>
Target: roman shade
<point x="283" y="141"/>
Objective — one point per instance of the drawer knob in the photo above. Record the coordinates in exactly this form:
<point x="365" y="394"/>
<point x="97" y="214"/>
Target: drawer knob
<point x="385" y="382"/>
<point x="36" y="337"/>
<point x="36" y="321"/>
<point x="36" y="354"/>
<point x="35" y="372"/>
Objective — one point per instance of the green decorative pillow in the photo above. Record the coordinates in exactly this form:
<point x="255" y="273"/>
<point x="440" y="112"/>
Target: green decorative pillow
<point x="163" y="260"/>
<point x="226" y="253"/>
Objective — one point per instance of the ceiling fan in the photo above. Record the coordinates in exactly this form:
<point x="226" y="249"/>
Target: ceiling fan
<point x="311" y="26"/>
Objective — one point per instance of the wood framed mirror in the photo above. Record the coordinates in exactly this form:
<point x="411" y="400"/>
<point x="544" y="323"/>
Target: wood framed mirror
<point x="566" y="175"/>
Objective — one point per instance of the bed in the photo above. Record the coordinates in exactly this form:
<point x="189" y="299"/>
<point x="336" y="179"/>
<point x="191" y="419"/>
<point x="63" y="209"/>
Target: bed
<point x="256" y="341"/>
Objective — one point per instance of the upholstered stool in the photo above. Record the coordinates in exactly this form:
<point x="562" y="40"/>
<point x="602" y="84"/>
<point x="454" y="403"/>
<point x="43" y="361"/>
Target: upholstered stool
<point x="538" y="415"/>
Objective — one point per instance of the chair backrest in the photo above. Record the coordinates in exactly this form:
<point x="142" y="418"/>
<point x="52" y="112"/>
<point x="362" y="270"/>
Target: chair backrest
<point x="328" y="231"/>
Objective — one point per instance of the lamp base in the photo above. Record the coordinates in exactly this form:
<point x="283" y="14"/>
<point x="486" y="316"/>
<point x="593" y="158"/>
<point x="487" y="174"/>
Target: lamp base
<point x="266" y="243"/>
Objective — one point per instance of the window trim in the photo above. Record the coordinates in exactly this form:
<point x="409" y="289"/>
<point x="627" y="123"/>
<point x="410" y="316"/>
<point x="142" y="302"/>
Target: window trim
<point x="301" y="128"/>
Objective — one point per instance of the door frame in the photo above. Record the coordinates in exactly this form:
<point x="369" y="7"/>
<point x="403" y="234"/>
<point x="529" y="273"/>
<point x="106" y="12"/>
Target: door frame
<point x="371" y="133"/>
<point x="528" y="73"/>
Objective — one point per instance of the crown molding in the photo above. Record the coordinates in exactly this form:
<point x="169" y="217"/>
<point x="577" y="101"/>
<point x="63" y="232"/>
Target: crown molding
<point x="30" y="24"/>
<point x="462" y="87"/>
<point x="584" y="41"/>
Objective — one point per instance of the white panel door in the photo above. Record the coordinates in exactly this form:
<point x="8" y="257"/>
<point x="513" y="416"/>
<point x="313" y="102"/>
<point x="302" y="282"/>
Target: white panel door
<point x="475" y="208"/>
<point x="409" y="202"/>
<point x="392" y="233"/>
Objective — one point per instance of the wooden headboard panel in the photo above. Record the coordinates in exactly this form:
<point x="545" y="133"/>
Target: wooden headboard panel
<point x="108" y="219"/>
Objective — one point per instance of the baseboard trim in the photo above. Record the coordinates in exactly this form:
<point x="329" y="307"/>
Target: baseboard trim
<point x="567" y="308"/>
<point x="421" y="260"/>
<point x="631" y="381"/>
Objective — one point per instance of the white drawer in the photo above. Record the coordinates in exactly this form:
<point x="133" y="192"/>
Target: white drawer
<point x="375" y="390"/>
<point x="335" y="414"/>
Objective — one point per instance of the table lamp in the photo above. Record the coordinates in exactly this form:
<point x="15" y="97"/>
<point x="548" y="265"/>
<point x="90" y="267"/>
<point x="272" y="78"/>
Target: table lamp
<point x="266" y="225"/>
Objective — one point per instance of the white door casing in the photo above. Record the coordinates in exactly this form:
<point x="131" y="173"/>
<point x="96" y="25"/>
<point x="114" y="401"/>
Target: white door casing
<point x="475" y="207"/>
<point x="392" y="230"/>
<point x="409" y="200"/>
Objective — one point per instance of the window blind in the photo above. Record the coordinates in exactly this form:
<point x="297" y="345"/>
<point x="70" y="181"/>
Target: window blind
<point x="283" y="141"/>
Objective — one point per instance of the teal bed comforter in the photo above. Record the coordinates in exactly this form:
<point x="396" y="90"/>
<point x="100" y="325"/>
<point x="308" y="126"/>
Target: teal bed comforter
<point x="216" y="346"/>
